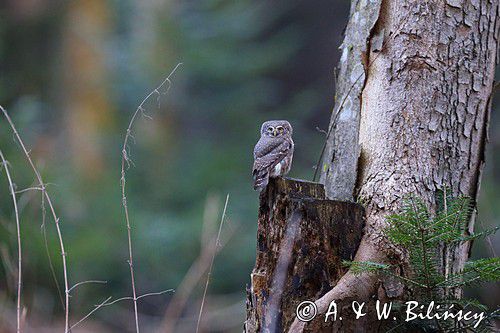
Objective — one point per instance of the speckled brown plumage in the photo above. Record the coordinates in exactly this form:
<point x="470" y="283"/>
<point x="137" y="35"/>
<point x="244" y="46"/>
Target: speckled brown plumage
<point x="273" y="152"/>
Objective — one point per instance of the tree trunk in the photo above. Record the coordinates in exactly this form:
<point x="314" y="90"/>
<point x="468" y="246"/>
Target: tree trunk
<point x="84" y="92"/>
<point x="419" y="113"/>
<point x="428" y="99"/>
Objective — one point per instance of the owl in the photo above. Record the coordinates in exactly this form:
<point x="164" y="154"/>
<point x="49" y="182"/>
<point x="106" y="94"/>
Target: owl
<point x="273" y="153"/>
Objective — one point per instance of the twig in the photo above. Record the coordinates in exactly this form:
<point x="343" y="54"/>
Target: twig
<point x="105" y="302"/>
<point x="21" y="204"/>
<point x="19" y="250"/>
<point x="136" y="298"/>
<point x="125" y="162"/>
<point x="321" y="130"/>
<point x="90" y="313"/>
<point x="211" y="264"/>
<point x="35" y="188"/>
<point x="194" y="273"/>
<point x="491" y="248"/>
<point x="47" y="251"/>
<point x="53" y="212"/>
<point x="86" y="282"/>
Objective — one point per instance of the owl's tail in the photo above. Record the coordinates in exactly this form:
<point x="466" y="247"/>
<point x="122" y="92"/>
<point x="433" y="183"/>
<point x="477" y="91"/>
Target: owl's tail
<point x="260" y="179"/>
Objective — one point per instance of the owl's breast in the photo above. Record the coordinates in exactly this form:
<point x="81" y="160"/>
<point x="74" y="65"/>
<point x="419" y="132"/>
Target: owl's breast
<point x="282" y="167"/>
<point x="277" y="169"/>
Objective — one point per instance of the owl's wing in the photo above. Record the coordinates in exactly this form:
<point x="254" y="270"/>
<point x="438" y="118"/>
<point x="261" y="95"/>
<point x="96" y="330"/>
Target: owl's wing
<point x="268" y="153"/>
<point x="266" y="145"/>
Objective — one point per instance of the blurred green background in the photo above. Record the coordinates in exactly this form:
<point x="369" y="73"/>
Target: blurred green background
<point x="71" y="75"/>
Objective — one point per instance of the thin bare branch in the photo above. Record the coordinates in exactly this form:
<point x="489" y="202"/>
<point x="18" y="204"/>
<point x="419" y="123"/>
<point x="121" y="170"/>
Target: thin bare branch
<point x="19" y="250"/>
<point x="156" y="293"/>
<point x="321" y="131"/>
<point x="107" y="303"/>
<point x="52" y="210"/>
<point x="36" y="188"/>
<point x="137" y="298"/>
<point x="43" y="228"/>
<point x="217" y="243"/>
<point x="125" y="163"/>
<point x="86" y="282"/>
<point x="491" y="248"/>
<point x="90" y="313"/>
<point x="195" y="272"/>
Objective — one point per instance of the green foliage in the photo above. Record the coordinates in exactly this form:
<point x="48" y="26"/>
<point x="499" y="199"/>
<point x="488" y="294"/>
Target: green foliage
<point x="426" y="238"/>
<point x="482" y="270"/>
<point x="358" y="267"/>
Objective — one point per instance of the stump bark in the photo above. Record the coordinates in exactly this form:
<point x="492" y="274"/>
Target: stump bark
<point x="302" y="239"/>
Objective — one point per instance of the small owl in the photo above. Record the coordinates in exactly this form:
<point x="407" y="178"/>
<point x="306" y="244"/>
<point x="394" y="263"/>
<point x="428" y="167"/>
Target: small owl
<point x="273" y="153"/>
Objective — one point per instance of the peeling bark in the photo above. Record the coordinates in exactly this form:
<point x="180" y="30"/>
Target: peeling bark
<point x="339" y="166"/>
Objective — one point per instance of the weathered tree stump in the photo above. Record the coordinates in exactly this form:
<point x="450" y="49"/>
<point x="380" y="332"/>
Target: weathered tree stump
<point x="302" y="239"/>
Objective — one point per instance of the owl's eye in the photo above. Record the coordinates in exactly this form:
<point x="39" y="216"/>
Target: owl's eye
<point x="280" y="129"/>
<point x="270" y="129"/>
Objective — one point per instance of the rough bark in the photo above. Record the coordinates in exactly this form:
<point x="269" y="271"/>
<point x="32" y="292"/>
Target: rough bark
<point x="423" y="119"/>
<point x="302" y="239"/>
<point x="425" y="106"/>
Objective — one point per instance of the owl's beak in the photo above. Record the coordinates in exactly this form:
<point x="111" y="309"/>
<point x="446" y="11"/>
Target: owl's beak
<point x="275" y="132"/>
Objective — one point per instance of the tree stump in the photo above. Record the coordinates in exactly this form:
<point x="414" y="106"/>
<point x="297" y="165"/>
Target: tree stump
<point x="302" y="239"/>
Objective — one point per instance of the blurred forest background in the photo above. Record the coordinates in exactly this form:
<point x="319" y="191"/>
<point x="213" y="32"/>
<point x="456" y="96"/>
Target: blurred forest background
<point x="71" y="75"/>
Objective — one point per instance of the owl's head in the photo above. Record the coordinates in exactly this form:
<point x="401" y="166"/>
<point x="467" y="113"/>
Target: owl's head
<point x="276" y="128"/>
